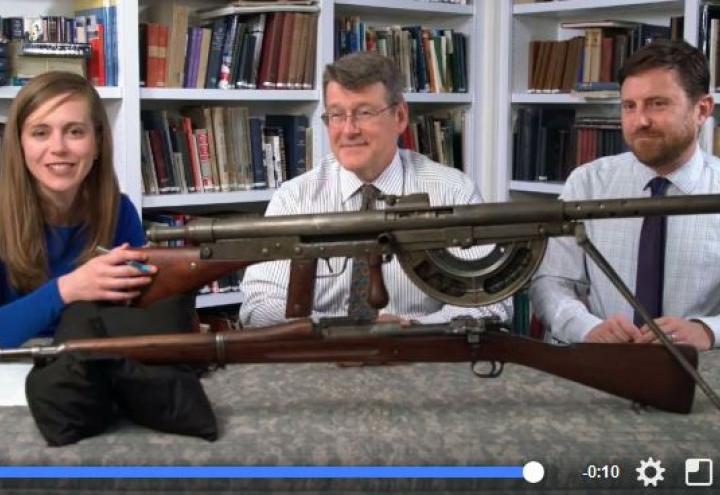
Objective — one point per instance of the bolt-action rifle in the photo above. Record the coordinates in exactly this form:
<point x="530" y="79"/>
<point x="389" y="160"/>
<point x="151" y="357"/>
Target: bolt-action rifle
<point x="645" y="374"/>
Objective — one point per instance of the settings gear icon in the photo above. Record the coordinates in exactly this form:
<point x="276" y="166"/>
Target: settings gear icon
<point x="656" y="472"/>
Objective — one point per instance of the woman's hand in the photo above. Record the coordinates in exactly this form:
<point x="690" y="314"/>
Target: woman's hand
<point x="107" y="277"/>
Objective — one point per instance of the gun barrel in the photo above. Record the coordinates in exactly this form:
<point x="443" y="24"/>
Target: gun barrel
<point x="409" y="218"/>
<point x="32" y="352"/>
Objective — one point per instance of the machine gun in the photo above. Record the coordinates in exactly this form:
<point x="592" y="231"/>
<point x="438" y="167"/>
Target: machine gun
<point x="417" y="234"/>
<point x="645" y="374"/>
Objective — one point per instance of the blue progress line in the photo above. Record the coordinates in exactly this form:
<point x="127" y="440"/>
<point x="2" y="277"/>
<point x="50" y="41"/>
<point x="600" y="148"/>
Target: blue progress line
<point x="500" y="472"/>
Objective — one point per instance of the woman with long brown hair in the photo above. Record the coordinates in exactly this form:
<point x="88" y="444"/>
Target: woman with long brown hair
<point x="60" y="201"/>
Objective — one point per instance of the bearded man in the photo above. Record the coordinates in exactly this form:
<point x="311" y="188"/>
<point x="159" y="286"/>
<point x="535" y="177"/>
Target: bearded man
<point x="673" y="263"/>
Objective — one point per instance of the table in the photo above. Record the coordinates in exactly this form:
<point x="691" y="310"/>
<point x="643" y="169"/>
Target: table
<point x="421" y="414"/>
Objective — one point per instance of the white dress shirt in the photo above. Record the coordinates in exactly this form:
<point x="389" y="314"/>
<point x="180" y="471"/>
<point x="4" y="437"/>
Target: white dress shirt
<point x="330" y="188"/>
<point x="569" y="292"/>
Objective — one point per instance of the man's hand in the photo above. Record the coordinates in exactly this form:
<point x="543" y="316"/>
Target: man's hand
<point x="680" y="331"/>
<point x="105" y="278"/>
<point x="615" y="330"/>
<point x="388" y="318"/>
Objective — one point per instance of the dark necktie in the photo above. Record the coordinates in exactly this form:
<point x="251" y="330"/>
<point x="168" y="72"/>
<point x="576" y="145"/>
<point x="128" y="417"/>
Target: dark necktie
<point x="358" y="306"/>
<point x="651" y="258"/>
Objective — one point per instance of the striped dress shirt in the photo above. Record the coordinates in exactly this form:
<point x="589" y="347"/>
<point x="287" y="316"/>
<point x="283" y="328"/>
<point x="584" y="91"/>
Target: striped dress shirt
<point x="330" y="188"/>
<point x="569" y="292"/>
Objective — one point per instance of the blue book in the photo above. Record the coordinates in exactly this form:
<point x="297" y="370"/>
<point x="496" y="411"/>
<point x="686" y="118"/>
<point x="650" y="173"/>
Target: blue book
<point x="259" y="171"/>
<point x="420" y="67"/>
<point x="226" y="60"/>
<point x="294" y="127"/>
<point x="216" y="50"/>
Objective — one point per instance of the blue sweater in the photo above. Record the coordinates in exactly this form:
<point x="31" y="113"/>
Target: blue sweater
<point x="36" y="314"/>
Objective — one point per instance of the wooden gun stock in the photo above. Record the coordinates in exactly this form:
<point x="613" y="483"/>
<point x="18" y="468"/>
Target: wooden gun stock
<point x="647" y="374"/>
<point x="181" y="270"/>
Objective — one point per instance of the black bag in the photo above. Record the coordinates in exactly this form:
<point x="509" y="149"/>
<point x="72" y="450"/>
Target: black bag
<point x="71" y="398"/>
<point x="74" y="397"/>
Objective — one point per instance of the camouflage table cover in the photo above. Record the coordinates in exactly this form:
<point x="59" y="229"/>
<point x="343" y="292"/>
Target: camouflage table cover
<point x="422" y="414"/>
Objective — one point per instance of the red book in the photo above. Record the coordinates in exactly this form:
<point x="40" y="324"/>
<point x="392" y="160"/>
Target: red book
<point x="283" y="63"/>
<point x="269" y="50"/>
<point x="156" y="50"/>
<point x="309" y="67"/>
<point x="406" y="139"/>
<point x="96" y="63"/>
<point x="156" y="146"/>
<point x="203" y="149"/>
<point x="193" y="151"/>
<point x="606" y="59"/>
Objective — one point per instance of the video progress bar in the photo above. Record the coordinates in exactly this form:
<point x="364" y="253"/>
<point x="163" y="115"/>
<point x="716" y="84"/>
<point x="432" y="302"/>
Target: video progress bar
<point x="276" y="472"/>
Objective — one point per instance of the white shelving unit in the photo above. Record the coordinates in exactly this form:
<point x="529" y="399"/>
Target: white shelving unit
<point x="206" y="199"/>
<point x="519" y="24"/>
<point x="125" y="101"/>
<point x="404" y="12"/>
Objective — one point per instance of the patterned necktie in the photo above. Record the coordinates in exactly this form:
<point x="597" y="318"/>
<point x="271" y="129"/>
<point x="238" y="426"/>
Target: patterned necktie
<point x="359" y="308"/>
<point x="651" y="258"/>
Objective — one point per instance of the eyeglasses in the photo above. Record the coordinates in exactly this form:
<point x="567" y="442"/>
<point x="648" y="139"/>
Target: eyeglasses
<point x="359" y="117"/>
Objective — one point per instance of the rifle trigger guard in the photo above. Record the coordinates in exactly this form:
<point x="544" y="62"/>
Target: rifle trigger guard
<point x="474" y="282"/>
<point x="495" y="368"/>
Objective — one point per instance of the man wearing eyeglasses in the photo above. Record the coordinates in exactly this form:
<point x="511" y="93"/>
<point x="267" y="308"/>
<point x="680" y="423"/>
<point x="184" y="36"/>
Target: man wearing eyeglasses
<point x="365" y="113"/>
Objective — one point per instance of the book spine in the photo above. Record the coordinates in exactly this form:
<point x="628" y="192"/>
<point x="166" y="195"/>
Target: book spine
<point x="284" y="57"/>
<point x="267" y="49"/>
<point x="217" y="44"/>
<point x="220" y="147"/>
<point x="203" y="150"/>
<point x="226" y="60"/>
<point x="205" y="37"/>
<point x="259" y="170"/>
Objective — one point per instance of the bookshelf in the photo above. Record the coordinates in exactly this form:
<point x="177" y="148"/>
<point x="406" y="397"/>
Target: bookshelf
<point x="459" y="18"/>
<point x="519" y="24"/>
<point x="125" y="101"/>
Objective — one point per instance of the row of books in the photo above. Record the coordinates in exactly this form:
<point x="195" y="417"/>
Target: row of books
<point x="22" y="60"/>
<point x="273" y="50"/>
<point x="579" y="63"/>
<point x="207" y="149"/>
<point x="548" y="143"/>
<point x="94" y="23"/>
<point x="438" y="136"/>
<point x="430" y="60"/>
<point x="53" y="28"/>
